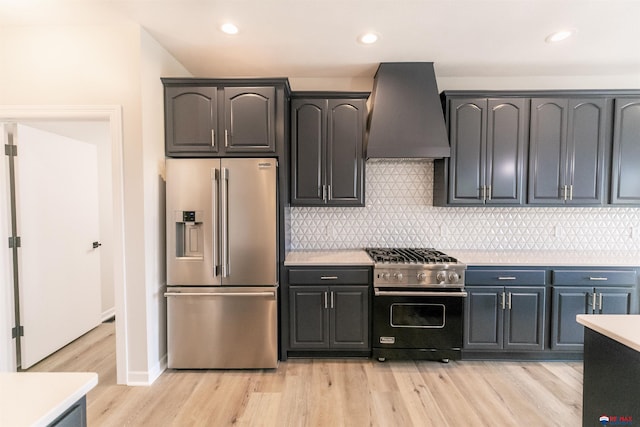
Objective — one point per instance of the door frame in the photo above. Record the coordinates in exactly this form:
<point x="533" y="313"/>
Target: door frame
<point x="113" y="115"/>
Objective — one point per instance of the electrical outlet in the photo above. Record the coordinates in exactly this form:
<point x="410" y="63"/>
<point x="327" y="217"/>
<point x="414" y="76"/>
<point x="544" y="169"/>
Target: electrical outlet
<point x="634" y="233"/>
<point x="443" y="231"/>
<point x="557" y="231"/>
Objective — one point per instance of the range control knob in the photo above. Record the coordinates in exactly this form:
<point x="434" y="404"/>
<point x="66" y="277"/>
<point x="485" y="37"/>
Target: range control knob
<point x="454" y="277"/>
<point x="385" y="276"/>
<point x="441" y="277"/>
<point x="422" y="277"/>
<point x="397" y="276"/>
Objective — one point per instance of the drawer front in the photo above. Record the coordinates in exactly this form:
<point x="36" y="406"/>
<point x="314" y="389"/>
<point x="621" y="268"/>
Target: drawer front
<point x="338" y="276"/>
<point x="505" y="277"/>
<point x="595" y="277"/>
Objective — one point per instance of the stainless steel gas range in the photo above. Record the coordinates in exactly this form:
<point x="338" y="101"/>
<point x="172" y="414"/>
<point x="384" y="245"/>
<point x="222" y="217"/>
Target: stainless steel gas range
<point x="418" y="304"/>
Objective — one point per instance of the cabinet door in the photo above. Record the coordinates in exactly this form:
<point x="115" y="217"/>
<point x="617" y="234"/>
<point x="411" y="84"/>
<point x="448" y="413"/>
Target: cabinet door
<point x="625" y="182"/>
<point x="467" y="124"/>
<point x="191" y="120"/>
<point x="506" y="135"/>
<point x="483" y="320"/>
<point x="349" y="317"/>
<point x="547" y="148"/>
<point x="308" y="124"/>
<point x="524" y="318"/>
<point x="309" y="321"/>
<point x="567" y="303"/>
<point x="614" y="300"/>
<point x="586" y="151"/>
<point x="249" y="117"/>
<point x="345" y="158"/>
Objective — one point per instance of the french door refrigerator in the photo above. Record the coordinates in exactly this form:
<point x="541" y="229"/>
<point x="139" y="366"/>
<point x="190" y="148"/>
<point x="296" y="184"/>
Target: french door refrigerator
<point x="222" y="263"/>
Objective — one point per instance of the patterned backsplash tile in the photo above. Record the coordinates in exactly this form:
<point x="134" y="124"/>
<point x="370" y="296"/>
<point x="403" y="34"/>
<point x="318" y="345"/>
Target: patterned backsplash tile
<point x="400" y="212"/>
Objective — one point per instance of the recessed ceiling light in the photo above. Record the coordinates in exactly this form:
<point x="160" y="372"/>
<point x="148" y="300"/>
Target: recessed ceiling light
<point x="559" y="36"/>
<point x="229" y="28"/>
<point x="368" y="38"/>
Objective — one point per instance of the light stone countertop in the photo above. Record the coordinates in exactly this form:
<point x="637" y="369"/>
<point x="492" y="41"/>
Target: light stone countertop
<point x="335" y="257"/>
<point x="623" y="328"/>
<point x="547" y="258"/>
<point x="38" y="398"/>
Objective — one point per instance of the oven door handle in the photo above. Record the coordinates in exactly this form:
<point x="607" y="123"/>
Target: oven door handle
<point x="378" y="293"/>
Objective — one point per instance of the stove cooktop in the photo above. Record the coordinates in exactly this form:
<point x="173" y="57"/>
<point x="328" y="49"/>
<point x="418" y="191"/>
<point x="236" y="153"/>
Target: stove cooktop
<point x="415" y="256"/>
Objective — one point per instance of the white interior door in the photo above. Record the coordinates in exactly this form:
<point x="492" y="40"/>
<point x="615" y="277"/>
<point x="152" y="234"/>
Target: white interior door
<point x="58" y="220"/>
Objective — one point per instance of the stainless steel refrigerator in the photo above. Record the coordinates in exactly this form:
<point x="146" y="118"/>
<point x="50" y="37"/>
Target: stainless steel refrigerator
<point x="222" y="263"/>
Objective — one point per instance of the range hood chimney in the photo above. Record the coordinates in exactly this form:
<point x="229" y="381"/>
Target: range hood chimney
<point x="406" y="119"/>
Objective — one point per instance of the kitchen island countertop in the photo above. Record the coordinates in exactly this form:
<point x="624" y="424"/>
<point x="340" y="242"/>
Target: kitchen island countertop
<point x="38" y="398"/>
<point x="328" y="257"/>
<point x="547" y="258"/>
<point x="623" y="328"/>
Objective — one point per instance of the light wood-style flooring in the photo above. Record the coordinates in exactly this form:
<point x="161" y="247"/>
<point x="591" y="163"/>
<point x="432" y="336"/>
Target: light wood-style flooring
<point x="330" y="392"/>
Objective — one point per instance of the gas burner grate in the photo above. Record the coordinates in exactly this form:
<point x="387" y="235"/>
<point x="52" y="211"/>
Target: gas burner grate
<point x="409" y="256"/>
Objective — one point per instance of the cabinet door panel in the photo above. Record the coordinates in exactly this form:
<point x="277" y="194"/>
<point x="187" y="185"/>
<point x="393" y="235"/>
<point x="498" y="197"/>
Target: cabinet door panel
<point x="483" y="323"/>
<point x="547" y="150"/>
<point x="586" y="150"/>
<point x="524" y="318"/>
<point x="309" y="321"/>
<point x="349" y="318"/>
<point x="191" y="119"/>
<point x="567" y="303"/>
<point x="307" y="150"/>
<point x="614" y="301"/>
<point x="345" y="151"/>
<point x="250" y="119"/>
<point x="468" y="143"/>
<point x="506" y="133"/>
<point x="625" y="187"/>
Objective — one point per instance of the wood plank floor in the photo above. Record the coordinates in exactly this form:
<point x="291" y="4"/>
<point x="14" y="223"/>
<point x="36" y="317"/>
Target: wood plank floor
<point x="330" y="392"/>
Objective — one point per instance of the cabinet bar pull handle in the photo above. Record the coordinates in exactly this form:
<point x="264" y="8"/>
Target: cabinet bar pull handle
<point x="328" y="277"/>
<point x="599" y="279"/>
<point x="503" y="300"/>
<point x="509" y="302"/>
<point x="331" y="299"/>
<point x="325" y="301"/>
<point x="213" y="137"/>
<point x="484" y="193"/>
<point x="226" y="138"/>
<point x="489" y="192"/>
<point x="507" y="278"/>
<point x="571" y="192"/>
<point x="324" y="192"/>
<point x="600" y="301"/>
<point x="593" y="302"/>
<point x="328" y="191"/>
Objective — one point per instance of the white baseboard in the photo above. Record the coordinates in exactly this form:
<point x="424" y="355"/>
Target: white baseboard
<point x="106" y="315"/>
<point x="142" y="378"/>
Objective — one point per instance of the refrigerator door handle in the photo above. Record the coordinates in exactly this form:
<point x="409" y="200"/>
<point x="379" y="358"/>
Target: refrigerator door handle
<point x="215" y="182"/>
<point x="224" y="210"/>
<point x="219" y="294"/>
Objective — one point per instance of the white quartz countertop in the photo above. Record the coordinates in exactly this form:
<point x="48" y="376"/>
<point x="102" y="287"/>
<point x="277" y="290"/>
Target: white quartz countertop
<point x="38" y="398"/>
<point x="623" y="328"/>
<point x="337" y="257"/>
<point x="548" y="258"/>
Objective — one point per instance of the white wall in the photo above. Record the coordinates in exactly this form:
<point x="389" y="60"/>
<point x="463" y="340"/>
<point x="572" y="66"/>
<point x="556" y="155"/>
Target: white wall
<point x="102" y="65"/>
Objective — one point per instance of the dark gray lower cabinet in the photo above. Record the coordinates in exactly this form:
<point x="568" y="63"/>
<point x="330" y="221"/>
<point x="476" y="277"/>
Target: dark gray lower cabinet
<point x="505" y="318"/>
<point x="569" y="301"/>
<point x="329" y="317"/>
<point x="75" y="416"/>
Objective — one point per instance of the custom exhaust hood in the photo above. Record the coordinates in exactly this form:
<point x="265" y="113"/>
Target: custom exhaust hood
<point x="406" y="119"/>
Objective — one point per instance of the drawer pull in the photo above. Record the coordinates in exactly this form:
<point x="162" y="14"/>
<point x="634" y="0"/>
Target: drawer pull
<point x="328" y="277"/>
<point x="507" y="278"/>
<point x="599" y="279"/>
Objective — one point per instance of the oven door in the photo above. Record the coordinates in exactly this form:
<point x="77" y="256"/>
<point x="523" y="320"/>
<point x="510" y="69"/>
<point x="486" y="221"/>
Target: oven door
<point x="418" y="319"/>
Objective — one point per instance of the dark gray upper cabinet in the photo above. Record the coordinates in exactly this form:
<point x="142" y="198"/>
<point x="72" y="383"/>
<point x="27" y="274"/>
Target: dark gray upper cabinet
<point x="225" y="117"/>
<point x="567" y="157"/>
<point x="488" y="149"/>
<point x="327" y="154"/>
<point x="191" y="115"/>
<point x="249" y="119"/>
<point x="625" y="175"/>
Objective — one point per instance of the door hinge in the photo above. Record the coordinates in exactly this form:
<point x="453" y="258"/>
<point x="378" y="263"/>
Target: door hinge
<point x="14" y="242"/>
<point x="17" y="331"/>
<point x="10" y="150"/>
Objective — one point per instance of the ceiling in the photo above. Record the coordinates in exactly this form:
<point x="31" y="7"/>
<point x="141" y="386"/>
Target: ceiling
<point x="317" y="39"/>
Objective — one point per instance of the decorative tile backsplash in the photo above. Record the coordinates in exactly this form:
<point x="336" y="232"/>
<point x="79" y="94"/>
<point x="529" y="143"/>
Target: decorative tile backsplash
<point x="400" y="213"/>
